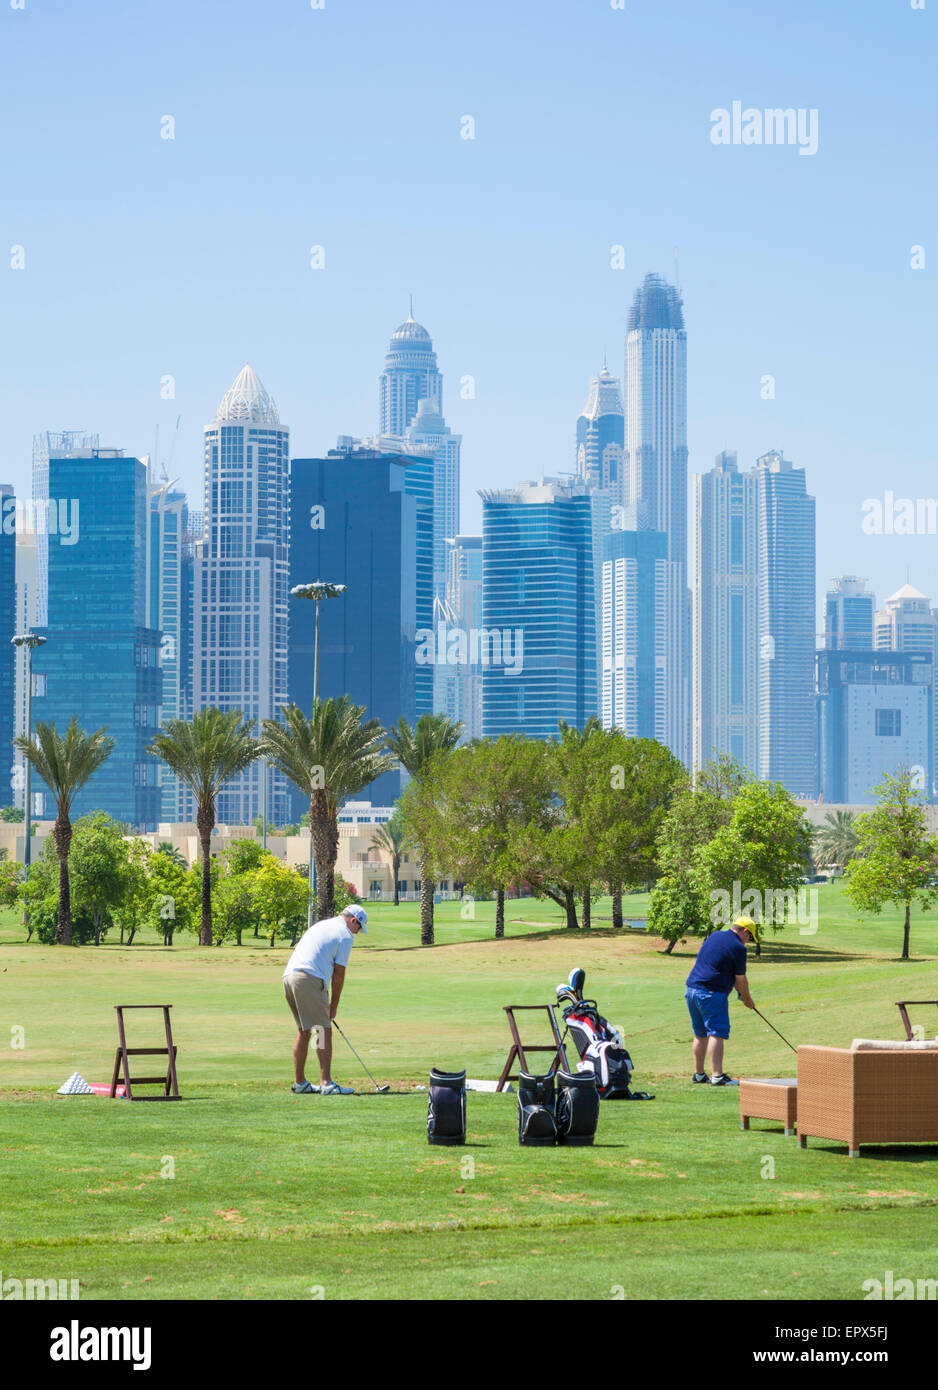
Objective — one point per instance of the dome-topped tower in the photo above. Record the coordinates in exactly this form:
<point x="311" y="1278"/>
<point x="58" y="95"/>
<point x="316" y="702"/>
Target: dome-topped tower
<point x="410" y="374"/>
<point x="247" y="402"/>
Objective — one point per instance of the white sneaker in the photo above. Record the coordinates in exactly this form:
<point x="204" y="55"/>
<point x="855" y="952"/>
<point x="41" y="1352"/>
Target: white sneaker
<point x="304" y="1088"/>
<point x="332" y="1088"/>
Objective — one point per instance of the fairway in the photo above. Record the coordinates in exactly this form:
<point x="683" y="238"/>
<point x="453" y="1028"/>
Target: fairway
<point x="245" y="1191"/>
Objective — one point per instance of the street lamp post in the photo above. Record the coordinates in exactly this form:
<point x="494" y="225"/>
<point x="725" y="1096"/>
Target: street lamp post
<point x="318" y="590"/>
<point x="29" y="640"/>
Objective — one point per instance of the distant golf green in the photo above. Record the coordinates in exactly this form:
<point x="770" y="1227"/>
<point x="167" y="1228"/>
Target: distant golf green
<point x="243" y="1190"/>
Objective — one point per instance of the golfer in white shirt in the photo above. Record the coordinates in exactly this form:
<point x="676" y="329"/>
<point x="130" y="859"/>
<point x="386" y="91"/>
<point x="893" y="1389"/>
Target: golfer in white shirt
<point x="319" y="961"/>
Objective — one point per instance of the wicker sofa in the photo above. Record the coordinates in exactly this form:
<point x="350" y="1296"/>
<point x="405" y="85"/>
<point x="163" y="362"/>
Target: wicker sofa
<point x="867" y="1097"/>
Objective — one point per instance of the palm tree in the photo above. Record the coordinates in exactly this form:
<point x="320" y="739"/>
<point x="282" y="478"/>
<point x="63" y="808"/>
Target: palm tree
<point x="169" y="851"/>
<point x="836" y="840"/>
<point x="65" y="766"/>
<point x="413" y="748"/>
<point x="205" y="754"/>
<point x="390" y="837"/>
<point x="330" y="757"/>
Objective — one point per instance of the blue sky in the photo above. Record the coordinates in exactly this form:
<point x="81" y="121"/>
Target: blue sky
<point x="340" y="127"/>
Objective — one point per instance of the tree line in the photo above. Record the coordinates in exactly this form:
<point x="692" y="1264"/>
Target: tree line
<point x="591" y="811"/>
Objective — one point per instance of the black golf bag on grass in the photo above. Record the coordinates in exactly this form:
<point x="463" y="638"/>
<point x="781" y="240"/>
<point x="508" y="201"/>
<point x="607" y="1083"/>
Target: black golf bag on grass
<point x="536" y="1123"/>
<point x="565" y="1116"/>
<point x="446" y="1107"/>
<point x="577" y="1107"/>
<point x="601" y="1052"/>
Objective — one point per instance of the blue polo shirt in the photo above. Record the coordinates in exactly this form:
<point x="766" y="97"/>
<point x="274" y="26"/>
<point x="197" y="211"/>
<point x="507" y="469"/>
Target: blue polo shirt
<point x="720" y="959"/>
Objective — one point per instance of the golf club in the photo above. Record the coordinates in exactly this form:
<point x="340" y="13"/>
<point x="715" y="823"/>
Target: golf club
<point x="774" y="1029"/>
<point x="382" y="1090"/>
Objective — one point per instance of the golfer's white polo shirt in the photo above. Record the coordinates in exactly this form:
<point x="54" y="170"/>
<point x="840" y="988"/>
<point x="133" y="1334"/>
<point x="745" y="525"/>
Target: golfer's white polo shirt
<point x="324" y="945"/>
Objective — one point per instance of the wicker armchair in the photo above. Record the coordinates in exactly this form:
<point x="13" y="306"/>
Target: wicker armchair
<point x="867" y="1097"/>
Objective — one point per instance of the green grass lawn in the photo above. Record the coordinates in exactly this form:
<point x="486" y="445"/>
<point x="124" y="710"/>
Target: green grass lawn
<point x="275" y="1195"/>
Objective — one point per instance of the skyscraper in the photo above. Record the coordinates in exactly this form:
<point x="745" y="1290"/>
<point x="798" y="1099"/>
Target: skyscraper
<point x="464" y="611"/>
<point x="410" y="421"/>
<point x="100" y="662"/>
<point x="786" y="565"/>
<point x="642" y="598"/>
<point x="655" y="487"/>
<point x="241" y="573"/>
<point x="167" y="600"/>
<point x="754" y="624"/>
<point x="725" y="615"/>
<point x="410" y="375"/>
<point x="539" y="638"/>
<point x="7" y="650"/>
<point x="365" y="519"/>
<point x="875" y="717"/>
<point x="848" y="615"/>
<point x="908" y="623"/>
<point x="600" y="436"/>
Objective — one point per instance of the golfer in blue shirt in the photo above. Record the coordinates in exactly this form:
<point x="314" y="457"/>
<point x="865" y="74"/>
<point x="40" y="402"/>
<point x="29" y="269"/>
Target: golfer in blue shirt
<point x="720" y="966"/>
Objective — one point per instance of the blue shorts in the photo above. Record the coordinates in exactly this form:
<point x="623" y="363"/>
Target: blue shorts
<point x="709" y="1012"/>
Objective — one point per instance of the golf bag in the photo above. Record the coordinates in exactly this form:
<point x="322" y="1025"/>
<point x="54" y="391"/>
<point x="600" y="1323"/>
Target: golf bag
<point x="601" y="1051"/>
<point x="536" y="1123"/>
<point x="446" y="1107"/>
<point x="577" y="1109"/>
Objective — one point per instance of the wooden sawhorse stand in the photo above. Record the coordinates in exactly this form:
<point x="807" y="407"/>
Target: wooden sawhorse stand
<point x="124" y="1053"/>
<point x="518" y="1047"/>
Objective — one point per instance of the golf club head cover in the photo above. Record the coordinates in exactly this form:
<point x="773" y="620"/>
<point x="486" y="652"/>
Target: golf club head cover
<point x="446" y="1107"/>
<point x="577" y="1107"/>
<point x="536" y="1123"/>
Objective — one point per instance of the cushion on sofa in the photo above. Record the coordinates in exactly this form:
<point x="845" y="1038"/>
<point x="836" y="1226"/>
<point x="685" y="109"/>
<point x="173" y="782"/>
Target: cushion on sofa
<point x="877" y="1045"/>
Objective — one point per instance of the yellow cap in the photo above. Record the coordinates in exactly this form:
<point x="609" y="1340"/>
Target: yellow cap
<point x="749" y="924"/>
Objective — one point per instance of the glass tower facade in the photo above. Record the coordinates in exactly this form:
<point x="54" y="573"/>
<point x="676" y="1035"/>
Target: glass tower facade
<point x="240" y="581"/>
<point x="638" y="591"/>
<point x="100" y="661"/>
<point x="786" y="563"/>
<point x="848" y="615"/>
<point x="725" y="622"/>
<point x="656" y="463"/>
<point x="600" y="436"/>
<point x="874" y="717"/>
<point x="364" y="519"/>
<point x="539" y="640"/>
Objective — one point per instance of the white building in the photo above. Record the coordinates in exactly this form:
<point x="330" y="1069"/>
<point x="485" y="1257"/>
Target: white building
<point x="241" y="579"/>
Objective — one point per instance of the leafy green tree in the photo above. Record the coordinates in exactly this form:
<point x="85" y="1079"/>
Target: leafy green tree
<point x="330" y="756"/>
<point x="65" y="765"/>
<point x="897" y="857"/>
<point x="99" y="870"/>
<point x="13" y="814"/>
<point x="472" y="807"/>
<point x="390" y="838"/>
<point x="131" y="911"/>
<point x="174" y="899"/>
<point x="233" y="906"/>
<point x="434" y="735"/>
<point x="699" y="807"/>
<point x="758" y="860"/>
<point x="204" y="754"/>
<point x="631" y="788"/>
<point x="836" y="841"/>
<point x="281" y="899"/>
<point x="11" y="877"/>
